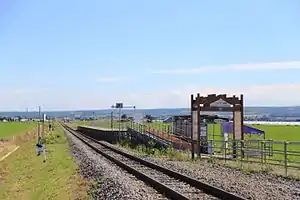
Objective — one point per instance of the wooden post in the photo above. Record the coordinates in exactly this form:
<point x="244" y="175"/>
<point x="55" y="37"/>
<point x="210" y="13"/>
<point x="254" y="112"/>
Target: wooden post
<point x="198" y="126"/>
<point x="192" y="128"/>
<point x="285" y="158"/>
<point x="242" y="122"/>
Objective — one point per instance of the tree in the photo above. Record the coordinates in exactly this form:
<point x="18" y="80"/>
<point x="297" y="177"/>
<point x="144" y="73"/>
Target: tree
<point x="148" y="118"/>
<point x="123" y="117"/>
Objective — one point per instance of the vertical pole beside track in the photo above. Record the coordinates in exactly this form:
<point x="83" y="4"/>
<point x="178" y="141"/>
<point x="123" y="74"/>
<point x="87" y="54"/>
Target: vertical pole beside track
<point x="43" y="126"/>
<point x="119" y="106"/>
<point x="39" y="131"/>
<point x="119" y="123"/>
<point x="111" y="120"/>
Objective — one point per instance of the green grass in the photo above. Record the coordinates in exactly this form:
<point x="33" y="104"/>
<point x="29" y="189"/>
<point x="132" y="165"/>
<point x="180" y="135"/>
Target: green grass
<point x="123" y="125"/>
<point x="273" y="132"/>
<point x="26" y="177"/>
<point x="80" y="123"/>
<point x="152" y="151"/>
<point x="8" y="129"/>
<point x="107" y="124"/>
<point x="276" y="133"/>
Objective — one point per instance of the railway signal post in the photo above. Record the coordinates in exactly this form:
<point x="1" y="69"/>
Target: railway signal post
<point x="119" y="107"/>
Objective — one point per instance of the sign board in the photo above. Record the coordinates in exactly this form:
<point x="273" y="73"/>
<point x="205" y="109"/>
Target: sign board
<point x="237" y="125"/>
<point x="45" y="117"/>
<point x="220" y="103"/>
<point x="195" y="125"/>
<point x="203" y="130"/>
<point x="119" y="105"/>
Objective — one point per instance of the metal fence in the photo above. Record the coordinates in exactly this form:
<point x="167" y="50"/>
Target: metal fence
<point x="285" y="154"/>
<point x="277" y="153"/>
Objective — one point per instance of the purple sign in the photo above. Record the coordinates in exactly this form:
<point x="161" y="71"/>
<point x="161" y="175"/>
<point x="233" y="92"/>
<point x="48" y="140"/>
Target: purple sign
<point x="227" y="127"/>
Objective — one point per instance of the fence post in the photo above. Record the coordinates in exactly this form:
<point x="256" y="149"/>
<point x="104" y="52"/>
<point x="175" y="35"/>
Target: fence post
<point x="225" y="150"/>
<point x="171" y="140"/>
<point x="265" y="154"/>
<point x="285" y="157"/>
<point x="261" y="154"/>
<point x="241" y="149"/>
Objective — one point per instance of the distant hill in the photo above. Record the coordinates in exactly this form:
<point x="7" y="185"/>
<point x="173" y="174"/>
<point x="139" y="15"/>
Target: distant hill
<point x="272" y="111"/>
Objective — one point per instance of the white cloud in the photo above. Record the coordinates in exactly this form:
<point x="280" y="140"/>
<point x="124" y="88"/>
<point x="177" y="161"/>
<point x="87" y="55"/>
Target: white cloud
<point x="259" y="95"/>
<point x="66" y="99"/>
<point x="108" y="79"/>
<point x="234" y="67"/>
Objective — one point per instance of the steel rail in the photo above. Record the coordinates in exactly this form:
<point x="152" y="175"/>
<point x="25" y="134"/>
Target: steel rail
<point x="169" y="192"/>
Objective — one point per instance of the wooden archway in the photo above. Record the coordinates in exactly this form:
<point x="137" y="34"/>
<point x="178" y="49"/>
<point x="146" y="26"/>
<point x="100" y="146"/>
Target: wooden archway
<point x="216" y="103"/>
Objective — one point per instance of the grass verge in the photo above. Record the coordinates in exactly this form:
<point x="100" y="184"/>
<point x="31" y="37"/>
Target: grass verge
<point x="23" y="175"/>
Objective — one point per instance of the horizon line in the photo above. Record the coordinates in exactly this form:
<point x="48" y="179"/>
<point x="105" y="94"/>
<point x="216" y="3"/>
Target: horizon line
<point x="102" y="109"/>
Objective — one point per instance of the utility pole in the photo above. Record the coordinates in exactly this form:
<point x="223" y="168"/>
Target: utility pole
<point x="27" y="117"/>
<point x="39" y="129"/>
<point x="43" y="124"/>
<point x="111" y="119"/>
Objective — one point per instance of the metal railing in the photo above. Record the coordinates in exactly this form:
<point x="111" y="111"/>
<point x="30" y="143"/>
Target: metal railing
<point x="277" y="153"/>
<point x="284" y="154"/>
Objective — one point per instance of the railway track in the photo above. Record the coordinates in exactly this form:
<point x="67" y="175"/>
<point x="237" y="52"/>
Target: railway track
<point x="170" y="183"/>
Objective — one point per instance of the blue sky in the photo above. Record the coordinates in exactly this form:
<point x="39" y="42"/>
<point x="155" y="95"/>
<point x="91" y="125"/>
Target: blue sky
<point x="91" y="54"/>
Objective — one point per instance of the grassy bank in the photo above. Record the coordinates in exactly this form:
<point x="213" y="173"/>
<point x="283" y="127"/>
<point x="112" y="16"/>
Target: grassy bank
<point x="25" y="176"/>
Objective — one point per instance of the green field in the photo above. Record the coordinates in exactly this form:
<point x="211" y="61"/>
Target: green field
<point x="23" y="175"/>
<point x="8" y="129"/>
<point x="277" y="133"/>
<point x="272" y="132"/>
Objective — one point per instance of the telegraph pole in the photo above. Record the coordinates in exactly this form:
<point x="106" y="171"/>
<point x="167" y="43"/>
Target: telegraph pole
<point x="111" y="119"/>
<point x="43" y="124"/>
<point x="39" y="129"/>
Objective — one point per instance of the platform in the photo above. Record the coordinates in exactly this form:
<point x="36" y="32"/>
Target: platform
<point x="103" y="128"/>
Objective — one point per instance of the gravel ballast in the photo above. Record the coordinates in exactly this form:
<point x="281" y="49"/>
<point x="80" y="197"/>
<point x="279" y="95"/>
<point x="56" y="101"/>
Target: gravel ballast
<point x="109" y="181"/>
<point x="259" y="186"/>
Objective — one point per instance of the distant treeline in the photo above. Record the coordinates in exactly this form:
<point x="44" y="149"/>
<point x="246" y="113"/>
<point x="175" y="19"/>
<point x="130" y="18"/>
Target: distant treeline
<point x="10" y="119"/>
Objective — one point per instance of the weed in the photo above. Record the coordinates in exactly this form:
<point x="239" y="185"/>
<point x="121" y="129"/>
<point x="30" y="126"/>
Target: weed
<point x="151" y="149"/>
